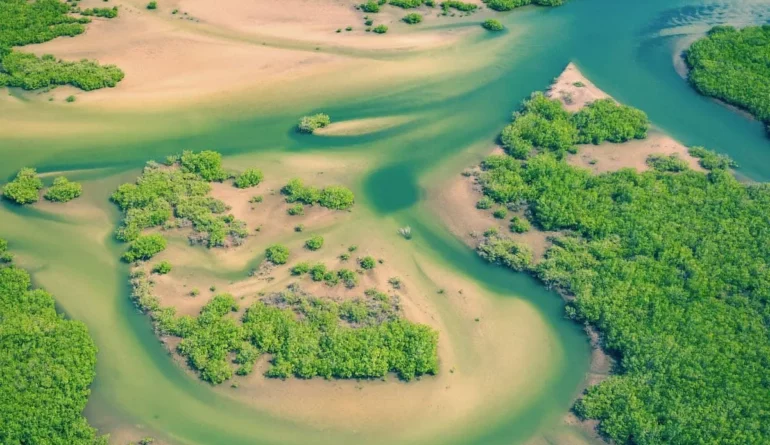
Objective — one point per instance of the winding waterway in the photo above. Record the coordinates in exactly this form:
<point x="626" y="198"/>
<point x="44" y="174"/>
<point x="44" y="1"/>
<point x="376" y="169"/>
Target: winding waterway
<point x="626" y="48"/>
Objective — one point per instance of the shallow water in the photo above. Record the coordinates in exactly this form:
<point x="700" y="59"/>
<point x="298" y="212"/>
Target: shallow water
<point x="626" y="48"/>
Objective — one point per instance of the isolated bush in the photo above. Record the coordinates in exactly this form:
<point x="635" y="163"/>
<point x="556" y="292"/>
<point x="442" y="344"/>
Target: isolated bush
<point x="152" y="5"/>
<point x="367" y="263"/>
<point x="370" y="6"/>
<point x="162" y="268"/>
<point x="25" y="188"/>
<point x="309" y="124"/>
<point x="315" y="243"/>
<point x="63" y="190"/>
<point x="380" y="29"/>
<point x="492" y="25"/>
<point x="412" y="18"/>
<point x="277" y="254"/>
<point x="249" y="178"/>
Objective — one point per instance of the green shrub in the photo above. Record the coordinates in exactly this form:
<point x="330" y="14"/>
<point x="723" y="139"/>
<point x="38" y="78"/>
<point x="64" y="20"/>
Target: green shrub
<point x="249" y="178"/>
<point x="367" y="263"/>
<point x="380" y="29"/>
<point x="460" y="6"/>
<point x="369" y="22"/>
<point x="605" y="120"/>
<point x="664" y="163"/>
<point x="144" y="247"/>
<point x="256" y="199"/>
<point x="152" y="5"/>
<point x="333" y="197"/>
<point x="300" y="268"/>
<point x="519" y="225"/>
<point x="108" y="13"/>
<point x="162" y="268"/>
<point x="25" y="188"/>
<point x="711" y="160"/>
<point x="500" y="213"/>
<point x="498" y="249"/>
<point x="412" y="18"/>
<point x="370" y="6"/>
<point x="507" y="5"/>
<point x="492" y="25"/>
<point x="348" y="277"/>
<point x="207" y="164"/>
<point x="296" y="210"/>
<point x="70" y="99"/>
<point x="63" y="190"/>
<point x="318" y="272"/>
<point x="277" y="254"/>
<point x="315" y="243"/>
<point x="406" y="4"/>
<point x="484" y="203"/>
<point x="309" y="124"/>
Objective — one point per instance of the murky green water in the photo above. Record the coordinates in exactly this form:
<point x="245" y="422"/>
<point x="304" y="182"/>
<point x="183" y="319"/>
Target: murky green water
<point x="626" y="48"/>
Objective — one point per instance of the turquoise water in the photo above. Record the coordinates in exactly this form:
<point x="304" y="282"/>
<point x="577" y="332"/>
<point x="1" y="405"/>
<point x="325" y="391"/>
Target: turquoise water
<point x="626" y="48"/>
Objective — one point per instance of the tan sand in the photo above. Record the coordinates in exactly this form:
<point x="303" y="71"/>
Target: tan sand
<point x="574" y="90"/>
<point x="632" y="154"/>
<point x="216" y="49"/>
<point x="357" y="127"/>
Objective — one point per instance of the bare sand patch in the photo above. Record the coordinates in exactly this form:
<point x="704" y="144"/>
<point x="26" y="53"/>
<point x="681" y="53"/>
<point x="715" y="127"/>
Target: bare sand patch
<point x="357" y="127"/>
<point x="163" y="60"/>
<point x="574" y="90"/>
<point x="607" y="157"/>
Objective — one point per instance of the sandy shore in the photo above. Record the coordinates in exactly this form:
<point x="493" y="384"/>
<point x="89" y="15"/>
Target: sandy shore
<point x="216" y="49"/>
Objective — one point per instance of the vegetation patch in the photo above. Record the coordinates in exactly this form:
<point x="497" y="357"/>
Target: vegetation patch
<point x="176" y="197"/>
<point x="305" y="336"/>
<point x="333" y="197"/>
<point x="543" y="123"/>
<point x="63" y="190"/>
<point x="309" y="124"/>
<point x="731" y="65"/>
<point x="492" y="25"/>
<point x="458" y="5"/>
<point x="406" y="4"/>
<point x="412" y="19"/>
<point x="250" y="178"/>
<point x="23" y="23"/>
<point x="47" y="364"/>
<point x="507" y="5"/>
<point x="670" y="265"/>
<point x="25" y="188"/>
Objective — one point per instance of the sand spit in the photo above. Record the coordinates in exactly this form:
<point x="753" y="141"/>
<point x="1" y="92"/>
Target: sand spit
<point x="358" y="127"/>
<point x="575" y="91"/>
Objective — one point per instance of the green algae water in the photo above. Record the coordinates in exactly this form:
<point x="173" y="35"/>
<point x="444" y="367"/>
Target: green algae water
<point x="628" y="49"/>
